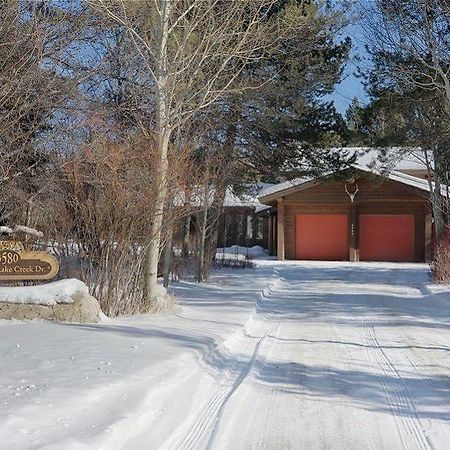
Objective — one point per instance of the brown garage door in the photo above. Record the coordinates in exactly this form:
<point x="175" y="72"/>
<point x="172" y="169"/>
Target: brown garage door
<point x="322" y="237"/>
<point x="386" y="238"/>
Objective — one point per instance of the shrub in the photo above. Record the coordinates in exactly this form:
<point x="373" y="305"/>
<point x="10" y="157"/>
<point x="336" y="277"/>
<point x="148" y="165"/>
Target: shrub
<point x="441" y="259"/>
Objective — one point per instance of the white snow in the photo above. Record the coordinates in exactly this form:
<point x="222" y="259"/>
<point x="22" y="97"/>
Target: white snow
<point x="28" y="230"/>
<point x="238" y="251"/>
<point x="206" y="195"/>
<point x="297" y="355"/>
<point x="23" y="229"/>
<point x="49" y="294"/>
<point x="249" y="198"/>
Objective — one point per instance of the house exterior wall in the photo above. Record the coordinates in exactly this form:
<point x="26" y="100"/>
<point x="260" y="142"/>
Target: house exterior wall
<point x="376" y="196"/>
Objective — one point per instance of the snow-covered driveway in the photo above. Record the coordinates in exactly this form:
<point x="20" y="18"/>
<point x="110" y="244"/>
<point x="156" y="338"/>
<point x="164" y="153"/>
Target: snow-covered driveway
<point x="288" y="355"/>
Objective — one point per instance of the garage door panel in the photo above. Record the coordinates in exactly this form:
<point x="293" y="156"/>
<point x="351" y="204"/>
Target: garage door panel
<point x="386" y="237"/>
<point x="322" y="237"/>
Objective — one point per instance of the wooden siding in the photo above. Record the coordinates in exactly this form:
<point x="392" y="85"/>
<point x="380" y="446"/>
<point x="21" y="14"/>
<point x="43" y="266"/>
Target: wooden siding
<point x="370" y="190"/>
<point x="375" y="196"/>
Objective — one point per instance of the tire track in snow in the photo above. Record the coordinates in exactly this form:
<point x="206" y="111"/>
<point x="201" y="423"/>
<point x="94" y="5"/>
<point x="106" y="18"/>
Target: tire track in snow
<point x="396" y="394"/>
<point x="202" y="431"/>
<point x="264" y="429"/>
<point x="443" y="384"/>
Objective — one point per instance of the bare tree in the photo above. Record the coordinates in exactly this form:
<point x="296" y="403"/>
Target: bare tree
<point x="194" y="51"/>
<point x="34" y="36"/>
<point x="410" y="45"/>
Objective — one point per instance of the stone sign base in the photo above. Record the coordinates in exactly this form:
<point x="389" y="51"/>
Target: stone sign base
<point x="83" y="309"/>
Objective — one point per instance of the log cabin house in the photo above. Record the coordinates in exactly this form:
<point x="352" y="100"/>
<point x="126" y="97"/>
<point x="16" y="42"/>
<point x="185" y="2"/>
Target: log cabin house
<point x="357" y="215"/>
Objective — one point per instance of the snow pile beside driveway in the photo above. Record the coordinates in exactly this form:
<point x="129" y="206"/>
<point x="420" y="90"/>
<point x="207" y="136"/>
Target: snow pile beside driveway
<point x="239" y="252"/>
<point x="64" y="300"/>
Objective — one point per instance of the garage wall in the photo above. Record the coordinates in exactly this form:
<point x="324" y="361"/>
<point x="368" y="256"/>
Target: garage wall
<point x="373" y="197"/>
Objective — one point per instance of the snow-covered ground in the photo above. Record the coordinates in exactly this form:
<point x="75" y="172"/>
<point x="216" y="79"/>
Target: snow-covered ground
<point x="282" y="356"/>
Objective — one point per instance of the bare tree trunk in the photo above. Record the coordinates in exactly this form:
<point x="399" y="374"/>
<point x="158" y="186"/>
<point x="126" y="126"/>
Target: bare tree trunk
<point x="201" y="246"/>
<point x="152" y="253"/>
<point x="447" y="196"/>
<point x="225" y="230"/>
<point x="435" y="193"/>
<point x="186" y="233"/>
<point x="211" y="242"/>
<point x="164" y="132"/>
<point x="437" y="209"/>
<point x="437" y="197"/>
<point x="168" y="256"/>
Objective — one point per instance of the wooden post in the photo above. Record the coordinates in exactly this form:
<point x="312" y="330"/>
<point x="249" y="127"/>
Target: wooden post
<point x="280" y="230"/>
<point x="270" y="241"/>
<point x="274" y="235"/>
<point x="428" y="235"/>
<point x="354" y="245"/>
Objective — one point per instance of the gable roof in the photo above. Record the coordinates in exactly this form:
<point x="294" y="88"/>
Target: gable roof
<point x="391" y="158"/>
<point x="285" y="188"/>
<point x="248" y="199"/>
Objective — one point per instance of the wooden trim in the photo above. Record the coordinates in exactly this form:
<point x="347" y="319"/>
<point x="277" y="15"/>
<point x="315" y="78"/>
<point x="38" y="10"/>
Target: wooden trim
<point x="366" y="202"/>
<point x="280" y="230"/>
<point x="354" y="234"/>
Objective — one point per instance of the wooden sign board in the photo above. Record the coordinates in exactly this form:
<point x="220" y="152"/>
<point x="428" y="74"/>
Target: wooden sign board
<point x="18" y="264"/>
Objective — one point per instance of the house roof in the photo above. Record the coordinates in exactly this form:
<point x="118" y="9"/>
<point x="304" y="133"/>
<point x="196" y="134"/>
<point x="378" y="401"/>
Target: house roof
<point x="248" y="199"/>
<point x="392" y="158"/>
<point x="281" y="189"/>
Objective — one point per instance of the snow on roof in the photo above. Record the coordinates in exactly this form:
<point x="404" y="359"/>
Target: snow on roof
<point x="202" y="195"/>
<point x="284" y="186"/>
<point x="392" y="158"/>
<point x="400" y="177"/>
<point x="261" y="208"/>
<point x="247" y="199"/>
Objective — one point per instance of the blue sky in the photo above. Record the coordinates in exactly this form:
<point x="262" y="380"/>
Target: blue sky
<point x="351" y="86"/>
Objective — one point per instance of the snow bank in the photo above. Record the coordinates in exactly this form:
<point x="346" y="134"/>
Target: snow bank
<point x="23" y="229"/>
<point x="234" y="250"/>
<point x="48" y="294"/>
<point x="164" y="301"/>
